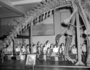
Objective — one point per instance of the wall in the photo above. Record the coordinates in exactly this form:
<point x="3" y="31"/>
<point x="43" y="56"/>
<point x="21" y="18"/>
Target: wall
<point x="8" y="23"/>
<point x="59" y="16"/>
<point x="63" y="15"/>
<point x="43" y="28"/>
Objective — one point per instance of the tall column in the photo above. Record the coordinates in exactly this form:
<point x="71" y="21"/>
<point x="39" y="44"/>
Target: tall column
<point x="13" y="47"/>
<point x="78" y="40"/>
<point x="30" y="36"/>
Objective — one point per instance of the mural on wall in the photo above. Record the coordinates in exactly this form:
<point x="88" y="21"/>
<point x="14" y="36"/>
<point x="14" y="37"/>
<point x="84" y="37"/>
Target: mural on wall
<point x="43" y="28"/>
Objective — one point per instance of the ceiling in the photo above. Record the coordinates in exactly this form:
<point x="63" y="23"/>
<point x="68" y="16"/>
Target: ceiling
<point x="14" y="8"/>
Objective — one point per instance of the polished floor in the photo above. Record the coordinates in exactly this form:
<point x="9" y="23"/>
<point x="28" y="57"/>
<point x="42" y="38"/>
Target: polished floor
<point x="40" y="65"/>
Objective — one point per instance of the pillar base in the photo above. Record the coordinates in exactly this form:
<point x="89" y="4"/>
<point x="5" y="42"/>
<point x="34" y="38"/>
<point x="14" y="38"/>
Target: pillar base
<point x="79" y="63"/>
<point x="88" y="65"/>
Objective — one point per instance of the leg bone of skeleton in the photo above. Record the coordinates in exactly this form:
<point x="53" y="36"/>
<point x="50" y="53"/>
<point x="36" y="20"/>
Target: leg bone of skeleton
<point x="67" y="21"/>
<point x="70" y="59"/>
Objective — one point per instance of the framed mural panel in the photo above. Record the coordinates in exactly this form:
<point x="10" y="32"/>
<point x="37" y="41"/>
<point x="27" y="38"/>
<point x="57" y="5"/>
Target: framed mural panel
<point x="31" y="59"/>
<point x="44" y="28"/>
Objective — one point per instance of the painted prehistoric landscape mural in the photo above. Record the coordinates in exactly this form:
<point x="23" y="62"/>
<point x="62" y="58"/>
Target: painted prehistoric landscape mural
<point x="43" y="28"/>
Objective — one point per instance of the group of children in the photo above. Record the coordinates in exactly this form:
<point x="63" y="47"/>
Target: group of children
<point x="54" y="50"/>
<point x="51" y="50"/>
<point x="48" y="50"/>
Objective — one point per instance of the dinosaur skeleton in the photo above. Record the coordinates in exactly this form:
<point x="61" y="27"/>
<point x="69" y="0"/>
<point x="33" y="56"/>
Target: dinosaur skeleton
<point x="78" y="9"/>
<point x="50" y="5"/>
<point x="32" y="14"/>
<point x="67" y="21"/>
<point x="69" y="39"/>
